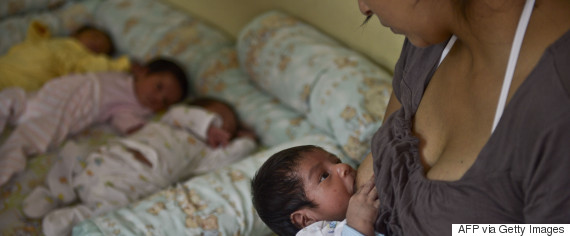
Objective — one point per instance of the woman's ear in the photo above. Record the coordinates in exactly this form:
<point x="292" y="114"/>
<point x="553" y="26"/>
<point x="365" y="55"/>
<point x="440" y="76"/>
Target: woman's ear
<point x="302" y="218"/>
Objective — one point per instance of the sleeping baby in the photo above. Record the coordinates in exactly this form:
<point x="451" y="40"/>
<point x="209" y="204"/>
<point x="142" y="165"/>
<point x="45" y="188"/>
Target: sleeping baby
<point x="41" y="57"/>
<point x="69" y="104"/>
<point x="187" y="141"/>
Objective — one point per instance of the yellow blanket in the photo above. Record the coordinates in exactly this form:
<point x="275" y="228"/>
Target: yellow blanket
<point x="40" y="58"/>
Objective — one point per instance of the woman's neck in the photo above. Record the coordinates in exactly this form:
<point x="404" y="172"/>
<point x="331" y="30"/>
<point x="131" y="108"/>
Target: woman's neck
<point x="486" y="33"/>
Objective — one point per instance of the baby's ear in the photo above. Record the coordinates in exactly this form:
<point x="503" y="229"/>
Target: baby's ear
<point x="137" y="69"/>
<point x="301" y="218"/>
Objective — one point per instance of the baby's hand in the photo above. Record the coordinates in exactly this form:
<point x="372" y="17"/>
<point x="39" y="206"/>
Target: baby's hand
<point x="217" y="137"/>
<point x="363" y="208"/>
<point x="134" y="129"/>
<point x="244" y="133"/>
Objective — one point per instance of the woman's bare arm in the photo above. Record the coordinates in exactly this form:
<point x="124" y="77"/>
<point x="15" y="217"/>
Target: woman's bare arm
<point x="393" y="105"/>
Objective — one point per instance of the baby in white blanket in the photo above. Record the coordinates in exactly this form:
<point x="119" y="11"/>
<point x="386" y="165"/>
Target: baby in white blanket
<point x="187" y="141"/>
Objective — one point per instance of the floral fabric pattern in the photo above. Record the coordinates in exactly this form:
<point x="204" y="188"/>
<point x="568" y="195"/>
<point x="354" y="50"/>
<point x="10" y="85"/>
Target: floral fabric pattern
<point x="291" y="83"/>
<point x="217" y="203"/>
<point x="147" y="29"/>
<point x="12" y="7"/>
<point x="128" y="21"/>
<point x="12" y="219"/>
<point x="334" y="86"/>
<point x="275" y="123"/>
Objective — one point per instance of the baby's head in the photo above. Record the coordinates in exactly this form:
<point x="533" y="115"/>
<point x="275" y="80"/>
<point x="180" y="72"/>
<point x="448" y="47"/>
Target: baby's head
<point x="302" y="185"/>
<point x="230" y="121"/>
<point x="95" y="39"/>
<point x="160" y="83"/>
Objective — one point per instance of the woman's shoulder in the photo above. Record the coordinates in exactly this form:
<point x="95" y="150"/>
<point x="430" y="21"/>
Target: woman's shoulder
<point x="559" y="51"/>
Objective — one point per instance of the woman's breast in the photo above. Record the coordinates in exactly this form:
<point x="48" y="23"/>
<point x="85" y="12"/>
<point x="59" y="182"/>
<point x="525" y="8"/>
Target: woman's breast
<point x="408" y="196"/>
<point x="452" y="123"/>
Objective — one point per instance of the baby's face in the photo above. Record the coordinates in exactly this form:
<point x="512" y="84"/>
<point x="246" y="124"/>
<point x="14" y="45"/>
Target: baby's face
<point x="230" y="123"/>
<point x="157" y="91"/>
<point x="327" y="182"/>
<point x="95" y="40"/>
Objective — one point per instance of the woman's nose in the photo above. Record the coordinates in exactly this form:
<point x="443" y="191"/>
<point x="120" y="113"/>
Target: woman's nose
<point x="364" y="9"/>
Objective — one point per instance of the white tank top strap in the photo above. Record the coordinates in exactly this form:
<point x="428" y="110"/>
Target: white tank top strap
<point x="447" y="48"/>
<point x="513" y="58"/>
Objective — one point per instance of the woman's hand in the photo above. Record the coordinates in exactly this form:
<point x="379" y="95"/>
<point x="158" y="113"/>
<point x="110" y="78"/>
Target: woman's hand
<point x="363" y="208"/>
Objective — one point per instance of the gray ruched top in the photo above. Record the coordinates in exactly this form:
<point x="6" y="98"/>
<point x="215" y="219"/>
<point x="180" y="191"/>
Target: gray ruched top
<point x="522" y="174"/>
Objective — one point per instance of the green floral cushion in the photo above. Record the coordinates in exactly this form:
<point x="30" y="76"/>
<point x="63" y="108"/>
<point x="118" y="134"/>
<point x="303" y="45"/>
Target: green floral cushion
<point x="274" y="123"/>
<point x="13" y="7"/>
<point x="335" y="87"/>
<point x="145" y="29"/>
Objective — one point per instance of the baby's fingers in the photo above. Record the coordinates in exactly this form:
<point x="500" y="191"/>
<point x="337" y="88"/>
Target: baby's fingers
<point x="225" y="140"/>
<point x="373" y="194"/>
<point x="366" y="187"/>
<point x="376" y="203"/>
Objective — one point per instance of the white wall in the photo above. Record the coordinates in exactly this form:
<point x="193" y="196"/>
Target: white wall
<point x="340" y="19"/>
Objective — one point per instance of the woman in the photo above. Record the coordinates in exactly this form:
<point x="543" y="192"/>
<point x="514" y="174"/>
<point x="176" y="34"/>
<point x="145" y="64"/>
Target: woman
<point x="450" y="152"/>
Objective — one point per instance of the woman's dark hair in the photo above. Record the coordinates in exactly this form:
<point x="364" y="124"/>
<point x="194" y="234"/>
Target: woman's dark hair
<point x="84" y="28"/>
<point x="159" y="65"/>
<point x="277" y="190"/>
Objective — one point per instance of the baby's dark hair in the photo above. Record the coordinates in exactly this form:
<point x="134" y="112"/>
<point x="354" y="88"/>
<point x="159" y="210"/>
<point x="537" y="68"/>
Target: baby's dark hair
<point x="159" y="65"/>
<point x="206" y="102"/>
<point x="84" y="28"/>
<point x="278" y="191"/>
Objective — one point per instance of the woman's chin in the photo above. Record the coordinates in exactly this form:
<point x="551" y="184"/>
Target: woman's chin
<point x="418" y="42"/>
<point x="395" y="31"/>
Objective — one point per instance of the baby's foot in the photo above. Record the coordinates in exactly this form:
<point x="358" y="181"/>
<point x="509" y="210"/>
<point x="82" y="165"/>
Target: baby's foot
<point x="39" y="203"/>
<point x="61" y="221"/>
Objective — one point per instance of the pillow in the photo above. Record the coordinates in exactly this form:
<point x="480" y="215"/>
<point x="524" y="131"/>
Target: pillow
<point x="284" y="56"/>
<point x="146" y="29"/>
<point x="332" y="85"/>
<point x="341" y="100"/>
<point x="12" y="7"/>
<point x="61" y="21"/>
<point x="217" y="203"/>
<point x="220" y="76"/>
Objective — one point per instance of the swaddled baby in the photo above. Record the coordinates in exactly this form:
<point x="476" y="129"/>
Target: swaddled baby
<point x="187" y="141"/>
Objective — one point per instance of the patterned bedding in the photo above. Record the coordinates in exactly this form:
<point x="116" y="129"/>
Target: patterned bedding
<point x="184" y="38"/>
<point x="217" y="203"/>
<point x="12" y="219"/>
